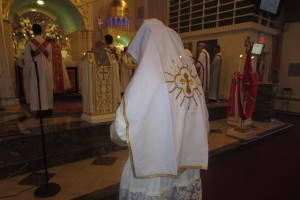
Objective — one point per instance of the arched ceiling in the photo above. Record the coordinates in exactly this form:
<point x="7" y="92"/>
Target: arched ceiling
<point x="62" y="10"/>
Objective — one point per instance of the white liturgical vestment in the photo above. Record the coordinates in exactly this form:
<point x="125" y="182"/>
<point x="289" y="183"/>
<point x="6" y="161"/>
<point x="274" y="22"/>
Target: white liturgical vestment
<point x="45" y="76"/>
<point x="162" y="117"/>
<point x="204" y="60"/>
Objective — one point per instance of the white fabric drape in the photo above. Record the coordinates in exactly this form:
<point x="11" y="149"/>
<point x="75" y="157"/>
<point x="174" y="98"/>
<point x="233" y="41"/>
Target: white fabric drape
<point x="6" y="87"/>
<point x="167" y="118"/>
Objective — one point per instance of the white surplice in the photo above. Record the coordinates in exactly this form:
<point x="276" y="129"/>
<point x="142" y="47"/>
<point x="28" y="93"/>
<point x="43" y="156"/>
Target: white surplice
<point x="215" y="75"/>
<point x="186" y="186"/>
<point x="26" y="78"/>
<point x="204" y="61"/>
<point x="45" y="76"/>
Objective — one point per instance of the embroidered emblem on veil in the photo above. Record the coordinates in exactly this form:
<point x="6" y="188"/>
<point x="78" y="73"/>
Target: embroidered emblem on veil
<point x="184" y="83"/>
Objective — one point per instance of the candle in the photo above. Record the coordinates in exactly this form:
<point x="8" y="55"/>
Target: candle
<point x="240" y="62"/>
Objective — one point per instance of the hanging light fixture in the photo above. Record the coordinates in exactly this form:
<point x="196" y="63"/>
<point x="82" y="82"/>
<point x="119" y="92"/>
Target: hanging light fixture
<point x="40" y="2"/>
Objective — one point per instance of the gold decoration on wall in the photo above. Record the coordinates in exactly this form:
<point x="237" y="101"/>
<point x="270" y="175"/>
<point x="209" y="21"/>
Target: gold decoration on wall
<point x="118" y="8"/>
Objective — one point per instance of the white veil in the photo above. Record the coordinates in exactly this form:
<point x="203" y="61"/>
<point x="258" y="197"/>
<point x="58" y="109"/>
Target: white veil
<point x="164" y="106"/>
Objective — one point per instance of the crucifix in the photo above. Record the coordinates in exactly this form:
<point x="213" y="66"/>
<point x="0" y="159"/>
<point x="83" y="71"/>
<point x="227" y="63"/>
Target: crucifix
<point x="102" y="72"/>
<point x="188" y="82"/>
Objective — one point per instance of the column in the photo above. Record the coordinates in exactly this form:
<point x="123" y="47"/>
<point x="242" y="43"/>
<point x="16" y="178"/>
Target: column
<point x="7" y="91"/>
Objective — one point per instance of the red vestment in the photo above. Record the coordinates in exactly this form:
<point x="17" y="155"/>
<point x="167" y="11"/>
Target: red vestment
<point x="58" y="81"/>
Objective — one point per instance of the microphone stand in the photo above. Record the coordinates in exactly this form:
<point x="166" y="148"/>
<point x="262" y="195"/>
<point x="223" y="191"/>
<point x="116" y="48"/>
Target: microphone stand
<point x="47" y="189"/>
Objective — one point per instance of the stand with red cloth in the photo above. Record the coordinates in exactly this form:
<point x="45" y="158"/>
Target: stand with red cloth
<point x="242" y="99"/>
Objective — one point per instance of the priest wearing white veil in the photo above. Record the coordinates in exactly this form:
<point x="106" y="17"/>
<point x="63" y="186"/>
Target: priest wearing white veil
<point x="163" y="119"/>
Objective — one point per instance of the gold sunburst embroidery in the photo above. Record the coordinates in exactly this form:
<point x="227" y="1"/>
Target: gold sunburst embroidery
<point x="182" y="80"/>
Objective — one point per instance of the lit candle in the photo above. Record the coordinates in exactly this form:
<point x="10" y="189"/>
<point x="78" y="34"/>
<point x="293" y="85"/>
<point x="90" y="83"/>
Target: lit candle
<point x="240" y="62"/>
<point x="252" y="61"/>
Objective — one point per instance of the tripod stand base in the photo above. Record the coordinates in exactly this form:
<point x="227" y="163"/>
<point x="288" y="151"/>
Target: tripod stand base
<point x="47" y="190"/>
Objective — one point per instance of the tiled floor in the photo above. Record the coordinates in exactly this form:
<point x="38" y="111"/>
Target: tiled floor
<point x="89" y="175"/>
<point x="75" y="179"/>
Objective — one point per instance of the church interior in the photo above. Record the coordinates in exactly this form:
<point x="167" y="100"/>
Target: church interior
<point x="248" y="159"/>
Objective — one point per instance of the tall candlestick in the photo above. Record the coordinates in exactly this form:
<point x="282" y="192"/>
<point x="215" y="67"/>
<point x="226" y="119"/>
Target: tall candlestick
<point x="252" y="61"/>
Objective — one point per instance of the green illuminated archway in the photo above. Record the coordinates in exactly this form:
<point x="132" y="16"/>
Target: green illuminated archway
<point x="63" y="10"/>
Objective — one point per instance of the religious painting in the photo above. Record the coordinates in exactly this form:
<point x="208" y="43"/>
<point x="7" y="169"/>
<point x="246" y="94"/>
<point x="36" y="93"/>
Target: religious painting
<point x="72" y="72"/>
<point x="209" y="47"/>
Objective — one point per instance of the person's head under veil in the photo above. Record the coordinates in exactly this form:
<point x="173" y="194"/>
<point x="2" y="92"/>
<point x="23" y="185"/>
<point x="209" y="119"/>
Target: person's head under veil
<point x="164" y="107"/>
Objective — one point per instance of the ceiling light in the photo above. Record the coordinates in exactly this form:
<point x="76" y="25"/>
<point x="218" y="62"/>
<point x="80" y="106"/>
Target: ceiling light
<point x="40" y="2"/>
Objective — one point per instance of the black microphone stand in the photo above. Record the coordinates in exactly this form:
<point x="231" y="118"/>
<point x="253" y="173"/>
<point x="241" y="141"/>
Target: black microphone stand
<point x="47" y="189"/>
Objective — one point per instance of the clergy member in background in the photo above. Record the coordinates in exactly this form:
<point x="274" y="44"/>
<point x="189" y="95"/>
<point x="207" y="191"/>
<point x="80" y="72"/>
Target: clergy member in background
<point x="188" y="52"/>
<point x="26" y="76"/>
<point x="126" y="67"/>
<point x="163" y="119"/>
<point x="39" y="50"/>
<point x="114" y="64"/>
<point x="215" y="75"/>
<point x="61" y="81"/>
<point x="204" y="65"/>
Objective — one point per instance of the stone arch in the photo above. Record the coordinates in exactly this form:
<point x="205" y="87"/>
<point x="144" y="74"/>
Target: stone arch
<point x="74" y="14"/>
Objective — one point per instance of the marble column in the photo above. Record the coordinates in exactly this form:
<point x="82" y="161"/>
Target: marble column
<point x="7" y="92"/>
